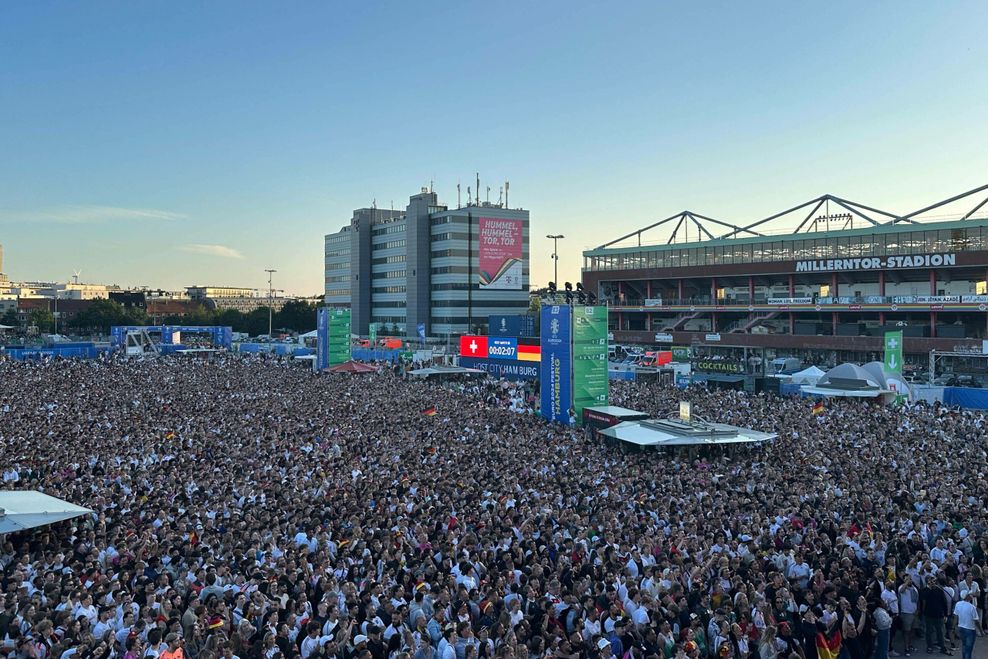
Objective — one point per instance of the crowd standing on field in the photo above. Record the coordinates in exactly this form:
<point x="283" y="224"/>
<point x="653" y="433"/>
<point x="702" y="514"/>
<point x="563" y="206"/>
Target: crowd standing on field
<point x="247" y="509"/>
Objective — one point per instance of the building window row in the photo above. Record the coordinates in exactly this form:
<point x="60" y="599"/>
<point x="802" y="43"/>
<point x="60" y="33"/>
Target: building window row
<point x="338" y="292"/>
<point x="338" y="266"/>
<point x="440" y="253"/>
<point x="388" y="319"/>
<point x="388" y="289"/>
<point x="477" y="304"/>
<point x="396" y="304"/>
<point x="436" y="221"/>
<point x="394" y="228"/>
<point x="333" y="280"/>
<point x="393" y="274"/>
<point x="381" y="260"/>
<point x="337" y="252"/>
<point x="458" y="286"/>
<point x="391" y="244"/>
<point x="449" y="270"/>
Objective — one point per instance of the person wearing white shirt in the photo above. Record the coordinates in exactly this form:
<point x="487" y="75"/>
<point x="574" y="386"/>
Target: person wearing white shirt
<point x="967" y="624"/>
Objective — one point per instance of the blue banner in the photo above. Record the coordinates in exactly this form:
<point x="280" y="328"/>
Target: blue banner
<point x="502" y="348"/>
<point x="502" y="368"/>
<point x="322" y="340"/>
<point x="557" y="363"/>
<point x="510" y="325"/>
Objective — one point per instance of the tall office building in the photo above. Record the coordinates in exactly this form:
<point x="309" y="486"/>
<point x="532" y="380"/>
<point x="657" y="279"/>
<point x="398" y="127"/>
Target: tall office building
<point x="444" y="270"/>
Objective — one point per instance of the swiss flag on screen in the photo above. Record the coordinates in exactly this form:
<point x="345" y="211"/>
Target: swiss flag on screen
<point x="473" y="346"/>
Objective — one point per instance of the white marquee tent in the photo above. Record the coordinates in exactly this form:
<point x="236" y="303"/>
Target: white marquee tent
<point x="809" y="375"/>
<point x="27" y="509"/>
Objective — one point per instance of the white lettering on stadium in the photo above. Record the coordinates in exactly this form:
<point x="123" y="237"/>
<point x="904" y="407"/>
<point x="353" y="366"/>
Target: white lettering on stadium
<point x="890" y="263"/>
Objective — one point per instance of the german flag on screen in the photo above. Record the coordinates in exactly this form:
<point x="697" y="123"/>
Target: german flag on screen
<point x="529" y="353"/>
<point x="817" y="407"/>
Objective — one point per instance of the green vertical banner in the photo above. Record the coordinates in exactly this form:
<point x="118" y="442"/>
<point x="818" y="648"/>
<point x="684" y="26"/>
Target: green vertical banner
<point x="589" y="358"/>
<point x="893" y="352"/>
<point x="373" y="336"/>
<point x="339" y="336"/>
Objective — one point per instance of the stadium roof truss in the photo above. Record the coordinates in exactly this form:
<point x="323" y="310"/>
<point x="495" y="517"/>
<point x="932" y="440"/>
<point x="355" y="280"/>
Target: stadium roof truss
<point x="847" y="212"/>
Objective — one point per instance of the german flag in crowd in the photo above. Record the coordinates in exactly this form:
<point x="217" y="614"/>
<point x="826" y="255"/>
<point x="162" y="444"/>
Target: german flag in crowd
<point x="828" y="646"/>
<point x="817" y="407"/>
<point x="170" y="434"/>
<point x="430" y="411"/>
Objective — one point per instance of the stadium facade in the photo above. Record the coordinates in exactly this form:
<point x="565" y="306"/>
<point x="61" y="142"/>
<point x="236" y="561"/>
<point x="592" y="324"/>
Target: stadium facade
<point x="846" y="274"/>
<point x="429" y="269"/>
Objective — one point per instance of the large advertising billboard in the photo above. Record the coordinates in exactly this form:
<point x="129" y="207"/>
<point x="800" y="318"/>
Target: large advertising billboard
<point x="500" y="253"/>
<point x="589" y="358"/>
<point x="339" y="336"/>
<point x="557" y="361"/>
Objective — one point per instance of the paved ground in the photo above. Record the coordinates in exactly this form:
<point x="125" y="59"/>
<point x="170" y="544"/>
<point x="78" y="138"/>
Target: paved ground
<point x="980" y="649"/>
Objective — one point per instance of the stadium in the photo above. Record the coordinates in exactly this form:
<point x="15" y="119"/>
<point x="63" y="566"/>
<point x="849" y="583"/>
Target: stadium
<point x="823" y="280"/>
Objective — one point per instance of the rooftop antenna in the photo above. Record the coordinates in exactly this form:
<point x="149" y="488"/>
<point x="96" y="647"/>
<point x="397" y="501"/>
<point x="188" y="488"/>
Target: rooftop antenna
<point x="458" y="205"/>
<point x="488" y="195"/>
<point x="500" y="195"/>
<point x="431" y="181"/>
<point x="477" y="189"/>
<point x="506" y="185"/>
<point x="374" y="203"/>
<point x="469" y="195"/>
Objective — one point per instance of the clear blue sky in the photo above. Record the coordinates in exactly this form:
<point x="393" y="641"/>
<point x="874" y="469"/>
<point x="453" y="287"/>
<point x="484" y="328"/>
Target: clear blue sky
<point x="175" y="143"/>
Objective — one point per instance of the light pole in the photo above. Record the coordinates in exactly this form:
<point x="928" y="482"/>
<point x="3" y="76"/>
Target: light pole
<point x="270" y="303"/>
<point x="555" y="257"/>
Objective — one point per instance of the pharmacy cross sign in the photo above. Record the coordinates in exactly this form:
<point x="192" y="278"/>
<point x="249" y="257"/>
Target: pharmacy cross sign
<point x="893" y="352"/>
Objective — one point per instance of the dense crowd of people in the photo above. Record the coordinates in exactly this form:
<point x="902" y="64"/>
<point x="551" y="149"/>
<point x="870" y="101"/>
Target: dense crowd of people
<point x="252" y="510"/>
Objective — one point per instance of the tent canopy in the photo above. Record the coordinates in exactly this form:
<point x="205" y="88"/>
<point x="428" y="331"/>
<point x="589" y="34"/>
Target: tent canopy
<point x="27" y="509"/>
<point x="673" y="432"/>
<point x="352" y="367"/>
<point x="849" y="377"/>
<point x="6" y="327"/>
<point x="808" y="375"/>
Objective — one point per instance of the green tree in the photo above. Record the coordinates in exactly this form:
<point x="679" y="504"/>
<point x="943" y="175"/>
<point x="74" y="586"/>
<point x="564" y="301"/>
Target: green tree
<point x="297" y="315"/>
<point x="40" y="318"/>
<point x="101" y="315"/>
<point x="10" y="318"/>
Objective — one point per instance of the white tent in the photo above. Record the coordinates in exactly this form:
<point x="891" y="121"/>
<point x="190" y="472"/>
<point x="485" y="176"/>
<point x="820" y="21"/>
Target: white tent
<point x="26" y="509"/>
<point x="673" y="432"/>
<point x="809" y="375"/>
<point x="6" y="327"/>
<point x="891" y="381"/>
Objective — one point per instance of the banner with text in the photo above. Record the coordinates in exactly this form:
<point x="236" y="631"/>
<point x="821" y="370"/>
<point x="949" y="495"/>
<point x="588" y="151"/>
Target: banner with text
<point x="589" y="358"/>
<point x="557" y="358"/>
<point x="500" y="253"/>
<point x="339" y="336"/>
<point x="322" y="341"/>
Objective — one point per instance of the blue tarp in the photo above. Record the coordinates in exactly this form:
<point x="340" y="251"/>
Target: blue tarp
<point x="620" y="375"/>
<point x="968" y="398"/>
<point x="368" y="355"/>
<point x="73" y="351"/>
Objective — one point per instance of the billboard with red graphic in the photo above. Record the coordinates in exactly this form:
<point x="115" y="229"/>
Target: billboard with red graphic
<point x="500" y="253"/>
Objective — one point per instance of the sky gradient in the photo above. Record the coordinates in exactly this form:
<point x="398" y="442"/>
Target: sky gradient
<point x="172" y="144"/>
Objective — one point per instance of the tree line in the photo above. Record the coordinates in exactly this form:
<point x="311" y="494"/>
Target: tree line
<point x="101" y="315"/>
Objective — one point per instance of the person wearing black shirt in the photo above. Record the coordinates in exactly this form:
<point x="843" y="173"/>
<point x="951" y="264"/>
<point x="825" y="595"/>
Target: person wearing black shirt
<point x="934" y="602"/>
